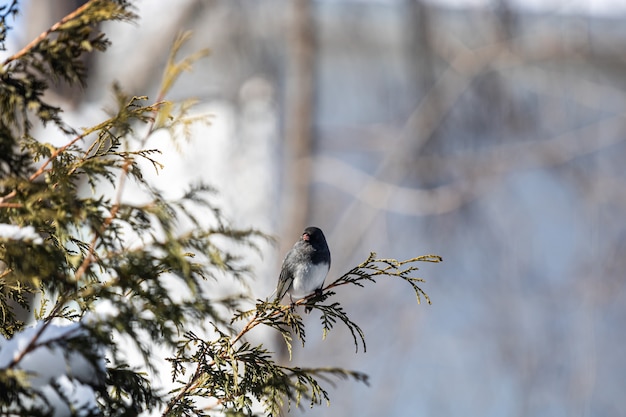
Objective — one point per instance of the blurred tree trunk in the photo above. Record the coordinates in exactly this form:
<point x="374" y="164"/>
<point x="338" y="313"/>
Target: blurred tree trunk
<point x="420" y="52"/>
<point x="299" y="113"/>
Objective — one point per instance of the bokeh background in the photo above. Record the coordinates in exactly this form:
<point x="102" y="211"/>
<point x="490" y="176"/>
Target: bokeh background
<point x="490" y="132"/>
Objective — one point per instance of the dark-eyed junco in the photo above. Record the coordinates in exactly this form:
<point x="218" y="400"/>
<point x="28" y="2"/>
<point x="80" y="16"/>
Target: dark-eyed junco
<point x="306" y="265"/>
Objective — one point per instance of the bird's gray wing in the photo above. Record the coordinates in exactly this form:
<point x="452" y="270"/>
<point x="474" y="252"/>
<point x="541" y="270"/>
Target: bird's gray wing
<point x="285" y="279"/>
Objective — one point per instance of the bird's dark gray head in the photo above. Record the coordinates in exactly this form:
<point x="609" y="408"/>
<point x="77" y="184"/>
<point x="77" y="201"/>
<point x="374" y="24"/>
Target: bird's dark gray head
<point x="314" y="236"/>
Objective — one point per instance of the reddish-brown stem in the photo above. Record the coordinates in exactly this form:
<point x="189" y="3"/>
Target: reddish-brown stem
<point x="43" y="35"/>
<point x="254" y="321"/>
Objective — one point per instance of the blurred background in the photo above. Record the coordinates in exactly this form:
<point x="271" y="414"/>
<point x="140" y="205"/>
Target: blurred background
<point x="490" y="132"/>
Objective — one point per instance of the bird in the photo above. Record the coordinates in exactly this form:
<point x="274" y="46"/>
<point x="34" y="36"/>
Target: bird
<point x="305" y="266"/>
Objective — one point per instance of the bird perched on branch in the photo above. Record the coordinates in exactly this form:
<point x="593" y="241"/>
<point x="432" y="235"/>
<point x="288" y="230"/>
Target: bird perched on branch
<point x="305" y="267"/>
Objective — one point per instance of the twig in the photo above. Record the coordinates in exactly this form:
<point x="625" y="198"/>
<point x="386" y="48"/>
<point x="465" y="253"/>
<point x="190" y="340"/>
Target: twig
<point x="43" y="35"/>
<point x="11" y="205"/>
<point x="54" y="155"/>
<point x="8" y="196"/>
<point x="252" y="323"/>
<point x="32" y="345"/>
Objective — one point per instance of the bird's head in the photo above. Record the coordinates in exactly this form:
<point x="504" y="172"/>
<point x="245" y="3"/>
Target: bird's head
<point x="313" y="235"/>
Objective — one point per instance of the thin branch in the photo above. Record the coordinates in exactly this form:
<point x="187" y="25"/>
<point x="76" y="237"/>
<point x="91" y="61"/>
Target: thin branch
<point x="54" y="155"/>
<point x="43" y="35"/>
<point x="11" y="205"/>
<point x="252" y="323"/>
<point x="32" y="345"/>
<point x="9" y="196"/>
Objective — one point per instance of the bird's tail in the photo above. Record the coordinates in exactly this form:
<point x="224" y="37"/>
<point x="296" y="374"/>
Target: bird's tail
<point x="274" y="295"/>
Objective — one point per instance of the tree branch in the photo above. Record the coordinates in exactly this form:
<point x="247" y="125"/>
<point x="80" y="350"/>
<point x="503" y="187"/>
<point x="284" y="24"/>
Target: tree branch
<point x="44" y="34"/>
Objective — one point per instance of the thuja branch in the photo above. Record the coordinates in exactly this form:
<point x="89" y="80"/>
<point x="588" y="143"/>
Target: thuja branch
<point x="276" y="315"/>
<point x="46" y="33"/>
<point x="285" y="319"/>
<point x="260" y="314"/>
<point x="120" y="14"/>
<point x="374" y="267"/>
<point x="172" y="71"/>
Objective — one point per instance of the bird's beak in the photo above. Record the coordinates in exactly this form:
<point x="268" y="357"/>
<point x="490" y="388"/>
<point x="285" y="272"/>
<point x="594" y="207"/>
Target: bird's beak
<point x="305" y="237"/>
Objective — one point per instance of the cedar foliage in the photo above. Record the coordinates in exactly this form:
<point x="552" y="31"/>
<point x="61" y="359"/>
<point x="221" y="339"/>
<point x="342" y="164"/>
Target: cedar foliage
<point x="83" y="257"/>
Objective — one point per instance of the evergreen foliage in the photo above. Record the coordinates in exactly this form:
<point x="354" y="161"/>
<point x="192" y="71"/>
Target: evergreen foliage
<point x="72" y="250"/>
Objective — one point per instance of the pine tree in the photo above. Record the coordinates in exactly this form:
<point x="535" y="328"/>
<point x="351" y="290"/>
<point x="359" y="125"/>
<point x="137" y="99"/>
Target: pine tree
<point x="71" y="249"/>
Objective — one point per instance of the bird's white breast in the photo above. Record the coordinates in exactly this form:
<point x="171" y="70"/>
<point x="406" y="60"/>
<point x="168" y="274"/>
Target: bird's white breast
<point x="307" y="279"/>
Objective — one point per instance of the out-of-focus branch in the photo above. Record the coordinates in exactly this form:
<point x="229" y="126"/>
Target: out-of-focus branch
<point x="464" y="66"/>
<point x="389" y="197"/>
<point x="477" y="173"/>
<point x="25" y="50"/>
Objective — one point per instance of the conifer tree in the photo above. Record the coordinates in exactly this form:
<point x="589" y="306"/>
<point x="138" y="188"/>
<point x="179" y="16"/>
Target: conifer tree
<point x="68" y="242"/>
